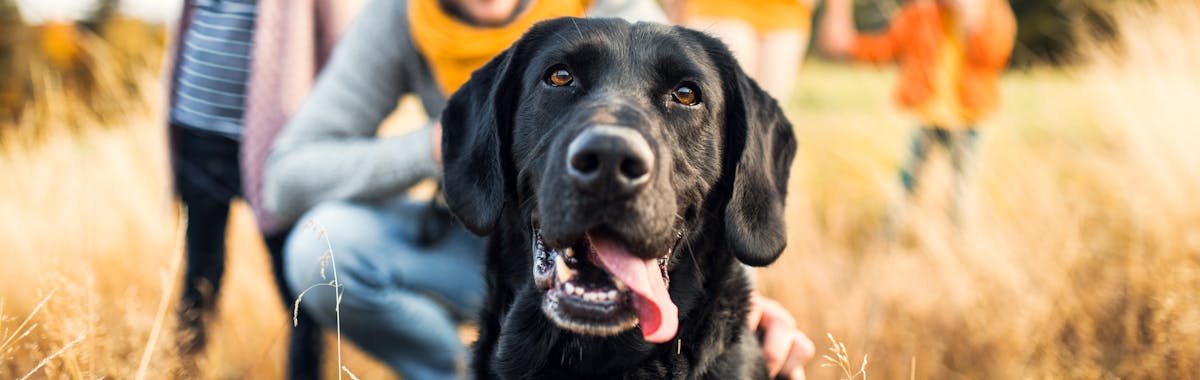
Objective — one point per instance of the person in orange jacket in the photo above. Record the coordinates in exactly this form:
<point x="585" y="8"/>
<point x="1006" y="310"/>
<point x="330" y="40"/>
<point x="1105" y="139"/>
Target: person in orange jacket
<point x="951" y="54"/>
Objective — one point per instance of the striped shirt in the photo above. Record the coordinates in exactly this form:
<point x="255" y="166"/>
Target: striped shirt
<point x="213" y="67"/>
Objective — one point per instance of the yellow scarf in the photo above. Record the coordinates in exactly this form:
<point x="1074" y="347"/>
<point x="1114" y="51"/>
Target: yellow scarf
<point x="454" y="49"/>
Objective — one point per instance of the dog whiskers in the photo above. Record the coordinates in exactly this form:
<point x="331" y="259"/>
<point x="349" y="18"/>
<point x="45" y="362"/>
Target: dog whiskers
<point x="573" y="343"/>
<point x="679" y="240"/>
<point x="695" y="263"/>
<point x="577" y="28"/>
<point x="564" y="39"/>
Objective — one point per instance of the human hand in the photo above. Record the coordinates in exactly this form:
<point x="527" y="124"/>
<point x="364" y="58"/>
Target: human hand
<point x="786" y="348"/>
<point x="673" y="9"/>
<point x="970" y="14"/>
<point x="837" y="31"/>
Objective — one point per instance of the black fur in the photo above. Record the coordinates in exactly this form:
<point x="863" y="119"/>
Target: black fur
<point x="720" y="179"/>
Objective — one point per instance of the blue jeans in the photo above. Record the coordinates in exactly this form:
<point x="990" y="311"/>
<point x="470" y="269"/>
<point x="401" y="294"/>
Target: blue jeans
<point x="959" y="143"/>
<point x="401" y="300"/>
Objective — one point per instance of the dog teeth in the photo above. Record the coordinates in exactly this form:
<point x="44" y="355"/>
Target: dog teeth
<point x="577" y="291"/>
<point x="590" y="295"/>
<point x="561" y="271"/>
<point x="620" y="285"/>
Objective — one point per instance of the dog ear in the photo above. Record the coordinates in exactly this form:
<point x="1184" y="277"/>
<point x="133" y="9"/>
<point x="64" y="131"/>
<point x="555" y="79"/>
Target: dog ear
<point x="475" y="123"/>
<point x="760" y="146"/>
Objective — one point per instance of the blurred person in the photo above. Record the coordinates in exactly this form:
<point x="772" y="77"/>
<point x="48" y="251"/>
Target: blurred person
<point x="410" y="274"/>
<point x="229" y="93"/>
<point x="208" y="88"/>
<point x="951" y="54"/>
<point x="768" y="37"/>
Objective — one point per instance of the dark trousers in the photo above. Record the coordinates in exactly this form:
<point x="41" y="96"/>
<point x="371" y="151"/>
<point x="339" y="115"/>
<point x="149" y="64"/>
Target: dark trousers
<point x="208" y="178"/>
<point x="304" y="349"/>
<point x="960" y="144"/>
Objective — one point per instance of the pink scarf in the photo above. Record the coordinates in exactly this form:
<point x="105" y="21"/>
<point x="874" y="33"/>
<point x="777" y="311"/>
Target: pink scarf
<point x="292" y="41"/>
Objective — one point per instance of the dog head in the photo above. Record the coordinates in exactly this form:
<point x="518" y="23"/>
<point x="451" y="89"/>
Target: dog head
<point x="616" y="144"/>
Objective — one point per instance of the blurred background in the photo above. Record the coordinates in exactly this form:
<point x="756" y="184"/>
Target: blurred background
<point x="1078" y="257"/>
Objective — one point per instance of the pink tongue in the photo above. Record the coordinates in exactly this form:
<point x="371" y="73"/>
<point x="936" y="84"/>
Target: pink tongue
<point x="657" y="314"/>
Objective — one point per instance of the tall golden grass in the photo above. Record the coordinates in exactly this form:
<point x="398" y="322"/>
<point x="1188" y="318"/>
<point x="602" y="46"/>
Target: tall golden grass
<point x="1077" y="254"/>
<point x="93" y="237"/>
<point x="64" y="74"/>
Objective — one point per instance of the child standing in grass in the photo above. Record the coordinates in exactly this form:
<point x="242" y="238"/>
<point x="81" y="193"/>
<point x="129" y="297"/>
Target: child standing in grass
<point x="208" y="91"/>
<point x="240" y="69"/>
<point x="950" y="53"/>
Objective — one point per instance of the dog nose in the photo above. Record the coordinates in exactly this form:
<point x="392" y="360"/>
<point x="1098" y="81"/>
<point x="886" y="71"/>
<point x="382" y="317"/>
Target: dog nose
<point x="610" y="160"/>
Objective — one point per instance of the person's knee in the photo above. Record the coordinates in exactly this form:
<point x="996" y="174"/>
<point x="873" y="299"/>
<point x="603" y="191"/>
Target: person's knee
<point x="332" y="231"/>
<point x="336" y="227"/>
<point x="301" y="254"/>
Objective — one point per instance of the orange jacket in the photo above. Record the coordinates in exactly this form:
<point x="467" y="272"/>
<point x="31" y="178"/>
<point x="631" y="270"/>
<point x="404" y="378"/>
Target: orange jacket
<point x="915" y="39"/>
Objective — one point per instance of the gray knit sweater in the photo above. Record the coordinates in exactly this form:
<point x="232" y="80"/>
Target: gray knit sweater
<point x="329" y="149"/>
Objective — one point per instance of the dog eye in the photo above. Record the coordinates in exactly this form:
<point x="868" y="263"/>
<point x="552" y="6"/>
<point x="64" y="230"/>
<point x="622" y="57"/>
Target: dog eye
<point x="558" y="76"/>
<point x="685" y="95"/>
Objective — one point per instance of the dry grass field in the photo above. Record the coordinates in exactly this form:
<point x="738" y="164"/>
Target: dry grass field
<point x="1076" y="255"/>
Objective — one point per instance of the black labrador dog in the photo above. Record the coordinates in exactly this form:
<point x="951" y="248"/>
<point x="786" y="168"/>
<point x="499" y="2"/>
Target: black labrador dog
<point x="624" y="172"/>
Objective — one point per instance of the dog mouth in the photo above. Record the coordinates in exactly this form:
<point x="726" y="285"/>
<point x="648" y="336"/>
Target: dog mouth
<point x="597" y="287"/>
